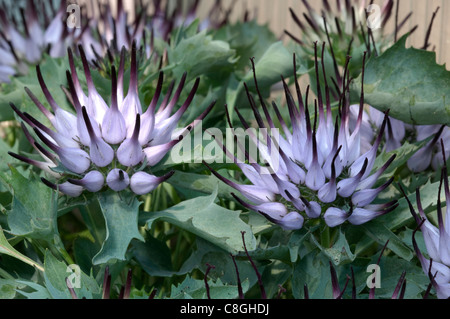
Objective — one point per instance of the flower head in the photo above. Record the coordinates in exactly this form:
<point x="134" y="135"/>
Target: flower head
<point x="398" y="132"/>
<point x="314" y="168"/>
<point x="24" y="41"/>
<point x="437" y="238"/>
<point x="103" y="144"/>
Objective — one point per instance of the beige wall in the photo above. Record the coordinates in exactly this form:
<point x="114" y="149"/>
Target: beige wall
<point x="276" y="14"/>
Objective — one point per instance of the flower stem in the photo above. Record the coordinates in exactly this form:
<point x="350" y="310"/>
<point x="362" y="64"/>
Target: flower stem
<point x="325" y="236"/>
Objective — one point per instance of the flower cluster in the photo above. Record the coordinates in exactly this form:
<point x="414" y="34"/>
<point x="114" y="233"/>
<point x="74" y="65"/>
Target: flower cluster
<point x="319" y="165"/>
<point x="349" y="27"/>
<point x="349" y="20"/>
<point x="437" y="239"/>
<point x="108" y="32"/>
<point x="23" y="42"/>
<point x="397" y="132"/>
<point x="102" y="144"/>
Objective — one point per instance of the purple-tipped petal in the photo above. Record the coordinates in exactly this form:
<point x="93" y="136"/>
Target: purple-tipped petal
<point x="372" y="179"/>
<point x="45" y="166"/>
<point x="366" y="196"/>
<point x="291" y="221"/>
<point x="361" y="216"/>
<point x="253" y="193"/>
<point x="297" y="202"/>
<point x="335" y="216"/>
<point x="155" y="154"/>
<point x="370" y="156"/>
<point x="130" y="107"/>
<point x="274" y="210"/>
<point x="92" y="181"/>
<point x="312" y="209"/>
<point x="114" y="128"/>
<point x="315" y="178"/>
<point x="142" y="183"/>
<point x="96" y="105"/>
<point x="66" y="188"/>
<point x="61" y="140"/>
<point x="74" y="159"/>
<point x="148" y="118"/>
<point x="328" y="192"/>
<point x="100" y="152"/>
<point x="118" y="180"/>
<point x="347" y="187"/>
<point x="130" y="151"/>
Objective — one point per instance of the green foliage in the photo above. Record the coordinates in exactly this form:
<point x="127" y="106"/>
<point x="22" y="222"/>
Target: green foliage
<point x="202" y="217"/>
<point x="121" y="226"/>
<point x="409" y="83"/>
<point x="169" y="239"/>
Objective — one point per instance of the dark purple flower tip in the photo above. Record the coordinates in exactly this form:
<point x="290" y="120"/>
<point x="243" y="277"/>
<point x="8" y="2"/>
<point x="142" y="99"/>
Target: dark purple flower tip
<point x="142" y="183"/>
<point x="101" y="153"/>
<point x="366" y="196"/>
<point x="347" y="187"/>
<point x="117" y="180"/>
<point x="66" y="188"/>
<point x="92" y="181"/>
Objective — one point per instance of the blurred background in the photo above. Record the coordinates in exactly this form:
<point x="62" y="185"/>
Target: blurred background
<point x="276" y="14"/>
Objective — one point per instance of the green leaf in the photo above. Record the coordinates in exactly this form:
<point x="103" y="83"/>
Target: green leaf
<point x="381" y="234"/>
<point x="409" y="83"/>
<point x="34" y="209"/>
<point x="6" y="248"/>
<point x="121" y="226"/>
<point x="340" y="253"/>
<point x="391" y="268"/>
<point x="312" y="270"/>
<point x="154" y="257"/>
<point x="200" y="55"/>
<point x="40" y="292"/>
<point x="275" y="62"/>
<point x="55" y="276"/>
<point x="195" y="289"/>
<point x="202" y="217"/>
<point x="249" y="39"/>
<point x="200" y="184"/>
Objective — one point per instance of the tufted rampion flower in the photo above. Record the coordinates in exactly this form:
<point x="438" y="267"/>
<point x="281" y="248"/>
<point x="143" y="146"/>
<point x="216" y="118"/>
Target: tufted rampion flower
<point x="437" y="239"/>
<point x="106" y="34"/>
<point x="348" y="28"/>
<point x="317" y="168"/>
<point x="397" y="132"/>
<point x="23" y="41"/>
<point x="110" y="31"/>
<point x="102" y="145"/>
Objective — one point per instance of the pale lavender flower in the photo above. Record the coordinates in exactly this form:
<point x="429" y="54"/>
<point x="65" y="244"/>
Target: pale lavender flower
<point x="25" y="40"/>
<point x="397" y="132"/>
<point x="320" y="171"/>
<point x="111" y="31"/>
<point x="101" y="145"/>
<point x="436" y="238"/>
